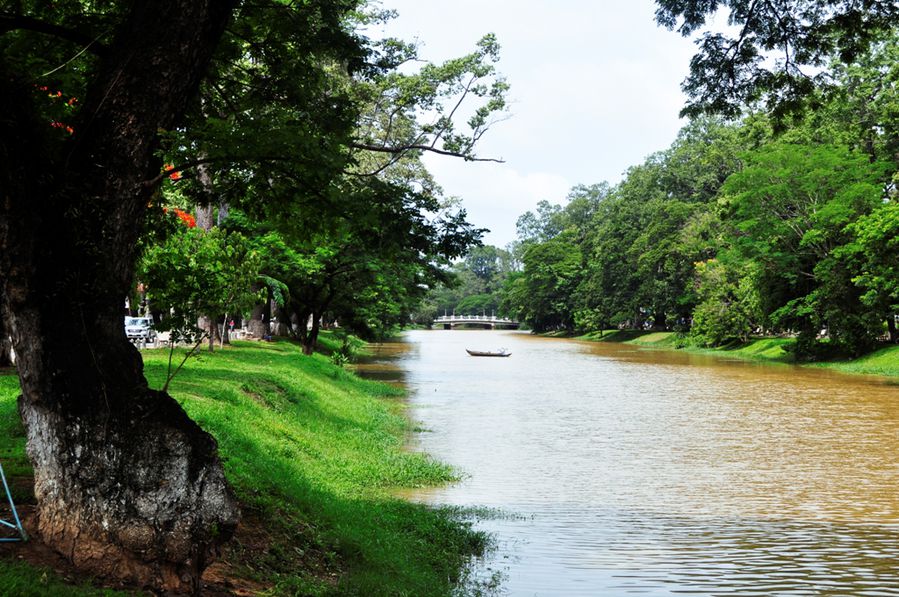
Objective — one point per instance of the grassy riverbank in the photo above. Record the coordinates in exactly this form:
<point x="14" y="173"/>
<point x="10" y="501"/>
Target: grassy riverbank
<point x="884" y="361"/>
<point x="313" y="453"/>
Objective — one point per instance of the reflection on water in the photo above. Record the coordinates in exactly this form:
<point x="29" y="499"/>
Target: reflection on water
<point x="379" y="362"/>
<point x="661" y="473"/>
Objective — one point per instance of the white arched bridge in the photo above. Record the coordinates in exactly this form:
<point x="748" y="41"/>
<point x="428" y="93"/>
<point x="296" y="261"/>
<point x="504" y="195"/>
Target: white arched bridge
<point x="488" y="321"/>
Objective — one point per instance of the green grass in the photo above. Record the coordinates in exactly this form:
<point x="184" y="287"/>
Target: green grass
<point x="12" y="434"/>
<point x="884" y="361"/>
<point x="313" y="453"/>
<point x="23" y="580"/>
<point x="766" y="349"/>
<point x="630" y="336"/>
<point x="655" y="339"/>
<point x="880" y="362"/>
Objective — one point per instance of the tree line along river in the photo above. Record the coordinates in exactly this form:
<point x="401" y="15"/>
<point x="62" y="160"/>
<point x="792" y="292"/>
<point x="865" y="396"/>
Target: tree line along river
<point x="613" y="470"/>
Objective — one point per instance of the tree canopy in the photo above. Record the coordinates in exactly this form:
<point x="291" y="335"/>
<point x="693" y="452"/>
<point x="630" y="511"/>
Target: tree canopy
<point x="281" y="113"/>
<point x="778" y="50"/>
<point x="741" y="227"/>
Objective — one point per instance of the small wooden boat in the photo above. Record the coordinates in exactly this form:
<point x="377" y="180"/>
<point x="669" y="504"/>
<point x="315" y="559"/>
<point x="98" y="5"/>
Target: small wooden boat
<point x="502" y="352"/>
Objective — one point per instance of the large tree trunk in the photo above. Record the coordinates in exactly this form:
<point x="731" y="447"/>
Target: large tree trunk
<point x="282" y="321"/>
<point x="660" y="321"/>
<point x="260" y="317"/>
<point x="127" y="485"/>
<point x="256" y="325"/>
<point x="302" y="329"/>
<point x="5" y="346"/>
<point x="210" y="326"/>
<point x="203" y="213"/>
<point x="312" y="337"/>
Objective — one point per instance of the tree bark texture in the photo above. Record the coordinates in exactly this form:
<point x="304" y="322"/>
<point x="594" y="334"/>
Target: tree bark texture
<point x="209" y="325"/>
<point x="204" y="217"/>
<point x="127" y="485"/>
<point x="312" y="337"/>
<point x="5" y="346"/>
<point x="302" y="316"/>
<point x="282" y="321"/>
<point x="257" y="325"/>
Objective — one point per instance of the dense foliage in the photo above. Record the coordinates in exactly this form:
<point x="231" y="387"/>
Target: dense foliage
<point x="286" y="144"/>
<point x="775" y="51"/>
<point x="742" y="227"/>
<point x="317" y="166"/>
<point x="473" y="285"/>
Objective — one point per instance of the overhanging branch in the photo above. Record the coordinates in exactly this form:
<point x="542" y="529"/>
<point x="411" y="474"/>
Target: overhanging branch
<point x="13" y="22"/>
<point x="405" y="148"/>
<point x="229" y="159"/>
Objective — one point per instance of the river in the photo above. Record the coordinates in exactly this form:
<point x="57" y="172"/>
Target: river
<point x="606" y="469"/>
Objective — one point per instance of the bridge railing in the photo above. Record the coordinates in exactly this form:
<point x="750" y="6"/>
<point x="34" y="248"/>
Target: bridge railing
<point x="456" y="318"/>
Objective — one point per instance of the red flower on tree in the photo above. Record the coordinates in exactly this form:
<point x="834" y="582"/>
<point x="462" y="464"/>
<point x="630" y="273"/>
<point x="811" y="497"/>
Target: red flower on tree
<point x="185" y="217"/>
<point x="174" y="174"/>
<point x="61" y="125"/>
<point x="182" y="215"/>
<point x="69" y="104"/>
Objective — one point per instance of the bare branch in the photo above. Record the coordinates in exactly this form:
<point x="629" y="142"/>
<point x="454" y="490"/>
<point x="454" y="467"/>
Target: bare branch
<point x="171" y="375"/>
<point x="464" y="94"/>
<point x="405" y="148"/>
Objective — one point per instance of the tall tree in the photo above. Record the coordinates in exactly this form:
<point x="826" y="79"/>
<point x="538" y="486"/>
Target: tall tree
<point x="198" y="272"/>
<point x="874" y="251"/>
<point x="542" y="295"/>
<point x="378" y="258"/>
<point x="540" y="226"/>
<point x="644" y="239"/>
<point x="789" y="211"/>
<point x="127" y="485"/>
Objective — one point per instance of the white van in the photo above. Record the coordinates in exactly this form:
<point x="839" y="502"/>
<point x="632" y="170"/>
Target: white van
<point x="140" y="328"/>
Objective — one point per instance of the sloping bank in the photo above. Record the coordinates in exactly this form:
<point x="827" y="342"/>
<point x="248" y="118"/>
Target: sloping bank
<point x="884" y="361"/>
<point x="313" y="453"/>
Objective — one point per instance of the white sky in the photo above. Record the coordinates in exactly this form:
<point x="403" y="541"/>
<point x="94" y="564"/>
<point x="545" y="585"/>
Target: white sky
<point x="595" y="88"/>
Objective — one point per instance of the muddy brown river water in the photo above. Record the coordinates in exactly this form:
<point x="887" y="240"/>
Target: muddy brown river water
<point x="614" y="470"/>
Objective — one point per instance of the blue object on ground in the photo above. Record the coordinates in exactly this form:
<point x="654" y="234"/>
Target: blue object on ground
<point x="23" y="536"/>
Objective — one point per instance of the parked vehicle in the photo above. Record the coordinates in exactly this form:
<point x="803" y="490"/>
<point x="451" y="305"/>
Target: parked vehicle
<point x="140" y="328"/>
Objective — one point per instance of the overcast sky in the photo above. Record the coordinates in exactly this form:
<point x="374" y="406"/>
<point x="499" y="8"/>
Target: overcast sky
<point x="595" y="88"/>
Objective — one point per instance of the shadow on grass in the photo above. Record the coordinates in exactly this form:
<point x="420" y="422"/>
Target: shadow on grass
<point x="312" y="456"/>
<point x="378" y="545"/>
<point x="308" y="450"/>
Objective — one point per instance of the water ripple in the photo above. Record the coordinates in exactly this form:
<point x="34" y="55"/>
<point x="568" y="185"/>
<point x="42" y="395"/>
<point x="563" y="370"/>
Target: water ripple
<point x="660" y="473"/>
